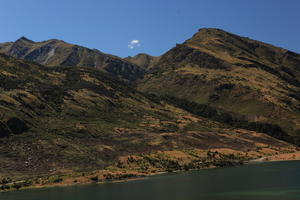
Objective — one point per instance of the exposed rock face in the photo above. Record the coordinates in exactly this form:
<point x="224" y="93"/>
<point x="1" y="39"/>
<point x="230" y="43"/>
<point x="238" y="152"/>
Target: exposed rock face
<point x="20" y="47"/>
<point x="264" y="80"/>
<point x="57" y="52"/>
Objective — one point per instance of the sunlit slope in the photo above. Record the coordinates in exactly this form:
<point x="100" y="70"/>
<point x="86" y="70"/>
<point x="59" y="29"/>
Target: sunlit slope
<point x="64" y="119"/>
<point x="247" y="78"/>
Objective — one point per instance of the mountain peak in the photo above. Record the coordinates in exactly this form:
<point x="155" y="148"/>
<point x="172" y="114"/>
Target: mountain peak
<point x="24" y="39"/>
<point x="143" y="60"/>
<point x="205" y="34"/>
<point x="211" y="30"/>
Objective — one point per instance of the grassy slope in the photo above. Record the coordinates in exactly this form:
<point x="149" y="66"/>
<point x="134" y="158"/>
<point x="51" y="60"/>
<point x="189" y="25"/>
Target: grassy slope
<point x="72" y="114"/>
<point x="61" y="120"/>
<point x="242" y="76"/>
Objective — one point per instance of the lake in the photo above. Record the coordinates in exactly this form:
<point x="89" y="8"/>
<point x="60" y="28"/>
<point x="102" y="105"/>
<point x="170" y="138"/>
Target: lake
<point x="262" y="181"/>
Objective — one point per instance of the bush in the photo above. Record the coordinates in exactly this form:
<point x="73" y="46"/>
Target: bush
<point x="95" y="179"/>
<point x="58" y="180"/>
<point x="5" y="187"/>
<point x="5" y="181"/>
<point x="17" y="186"/>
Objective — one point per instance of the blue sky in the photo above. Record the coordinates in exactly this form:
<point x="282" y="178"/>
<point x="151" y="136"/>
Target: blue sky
<point x="153" y="26"/>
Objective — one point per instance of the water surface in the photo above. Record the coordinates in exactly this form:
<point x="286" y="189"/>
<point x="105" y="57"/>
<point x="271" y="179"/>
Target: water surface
<point x="264" y="181"/>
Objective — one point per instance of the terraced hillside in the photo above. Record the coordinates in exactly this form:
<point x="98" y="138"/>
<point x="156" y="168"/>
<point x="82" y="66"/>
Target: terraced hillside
<point x="251" y="80"/>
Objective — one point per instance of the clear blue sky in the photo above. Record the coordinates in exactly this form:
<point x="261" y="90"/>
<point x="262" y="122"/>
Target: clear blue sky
<point x="110" y="25"/>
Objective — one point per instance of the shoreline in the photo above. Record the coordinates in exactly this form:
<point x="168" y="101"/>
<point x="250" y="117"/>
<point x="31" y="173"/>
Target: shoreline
<point x="126" y="175"/>
<point x="279" y="158"/>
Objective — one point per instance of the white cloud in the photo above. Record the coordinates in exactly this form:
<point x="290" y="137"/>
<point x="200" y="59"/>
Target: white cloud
<point x="134" y="43"/>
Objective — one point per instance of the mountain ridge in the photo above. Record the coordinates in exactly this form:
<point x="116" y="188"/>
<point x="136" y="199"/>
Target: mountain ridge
<point x="55" y="52"/>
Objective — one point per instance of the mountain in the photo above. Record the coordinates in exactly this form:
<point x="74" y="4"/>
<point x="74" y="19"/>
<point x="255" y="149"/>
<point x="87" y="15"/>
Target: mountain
<point x="67" y="112"/>
<point x="60" y="120"/>
<point x="251" y="80"/>
<point x="143" y="60"/>
<point x="59" y="53"/>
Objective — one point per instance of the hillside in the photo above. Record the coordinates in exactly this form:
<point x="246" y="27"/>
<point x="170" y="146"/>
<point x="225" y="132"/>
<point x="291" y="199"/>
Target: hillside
<point x="60" y="120"/>
<point x="216" y="100"/>
<point x="71" y="118"/>
<point x="57" y="52"/>
<point x="143" y="60"/>
<point x="248" y="79"/>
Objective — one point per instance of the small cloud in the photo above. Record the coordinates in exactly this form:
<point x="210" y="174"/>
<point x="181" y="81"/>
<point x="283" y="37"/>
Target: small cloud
<point x="134" y="43"/>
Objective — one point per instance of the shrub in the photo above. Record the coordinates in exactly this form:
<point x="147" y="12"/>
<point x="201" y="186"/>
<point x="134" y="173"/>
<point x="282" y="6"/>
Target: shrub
<point x="58" y="180"/>
<point x="95" y="179"/>
<point x="17" y="186"/>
